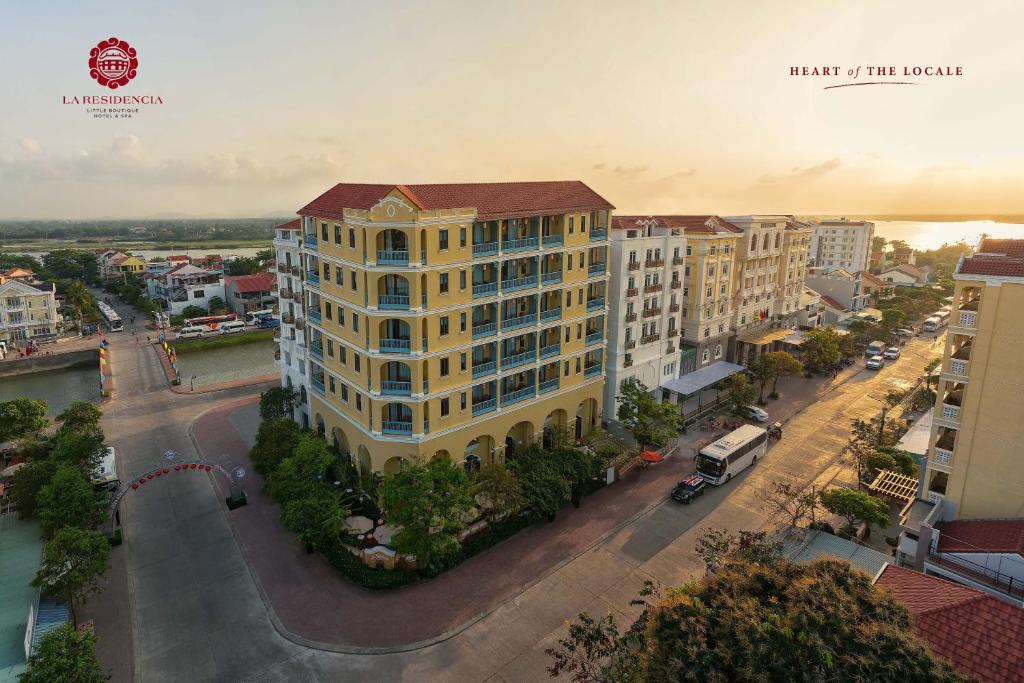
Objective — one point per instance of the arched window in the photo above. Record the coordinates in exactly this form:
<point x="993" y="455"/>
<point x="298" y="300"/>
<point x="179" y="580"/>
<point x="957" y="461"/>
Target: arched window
<point x="778" y="240"/>
<point x="718" y="351"/>
<point x="764" y="242"/>
<point x="705" y="357"/>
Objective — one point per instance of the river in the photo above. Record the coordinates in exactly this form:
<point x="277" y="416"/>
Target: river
<point x="59" y="388"/>
<point x="931" y="235"/>
<point x="213" y="366"/>
<point x="148" y="254"/>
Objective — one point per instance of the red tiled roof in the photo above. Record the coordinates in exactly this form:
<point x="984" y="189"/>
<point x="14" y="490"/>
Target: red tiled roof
<point x="832" y="303"/>
<point x="980" y="635"/>
<point x="179" y="257"/>
<point x="491" y="200"/>
<point x="688" y="224"/>
<point x="247" y="284"/>
<point x="865" y="275"/>
<point x="290" y="225"/>
<point x="1005" y="266"/>
<point x="982" y="536"/>
<point x="1008" y="247"/>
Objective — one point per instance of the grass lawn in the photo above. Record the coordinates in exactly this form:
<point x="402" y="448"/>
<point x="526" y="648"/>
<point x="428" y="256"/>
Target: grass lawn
<point x="219" y="341"/>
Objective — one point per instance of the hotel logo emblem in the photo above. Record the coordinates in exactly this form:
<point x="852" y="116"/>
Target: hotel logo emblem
<point x="113" y="62"/>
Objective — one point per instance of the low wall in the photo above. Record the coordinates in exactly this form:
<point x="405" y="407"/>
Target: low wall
<point x="41" y="362"/>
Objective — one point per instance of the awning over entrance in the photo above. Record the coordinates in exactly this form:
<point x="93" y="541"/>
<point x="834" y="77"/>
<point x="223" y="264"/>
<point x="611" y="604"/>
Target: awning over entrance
<point x="693" y="382"/>
<point x="760" y="337"/>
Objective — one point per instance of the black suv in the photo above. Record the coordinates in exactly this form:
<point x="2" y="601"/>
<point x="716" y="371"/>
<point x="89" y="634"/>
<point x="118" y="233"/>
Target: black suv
<point x="688" y="489"/>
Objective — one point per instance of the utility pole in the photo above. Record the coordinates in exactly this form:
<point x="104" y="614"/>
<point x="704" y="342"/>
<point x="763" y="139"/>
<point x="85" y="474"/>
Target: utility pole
<point x="881" y="424"/>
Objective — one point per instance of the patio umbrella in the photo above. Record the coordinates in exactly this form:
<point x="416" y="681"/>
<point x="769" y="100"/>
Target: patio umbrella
<point x="358" y="524"/>
<point x="651" y="456"/>
<point x="9" y="471"/>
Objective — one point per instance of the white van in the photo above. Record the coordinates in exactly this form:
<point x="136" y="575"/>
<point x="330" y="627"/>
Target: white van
<point x="931" y="324"/>
<point x="105" y="475"/>
<point x="232" y="326"/>
<point x="191" y="332"/>
<point x="253" y="317"/>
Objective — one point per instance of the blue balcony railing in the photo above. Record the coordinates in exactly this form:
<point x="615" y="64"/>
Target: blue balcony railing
<point x="598" y="235"/>
<point x="549" y="385"/>
<point x="396" y="388"/>
<point x="317" y="351"/>
<point x="593" y="370"/>
<point x="485" y="289"/>
<point x="393" y="257"/>
<point x="519" y="283"/>
<point x="550" y="350"/>
<point x="548" y="278"/>
<point x="318" y="386"/>
<point x="314" y="315"/>
<point x="310" y="241"/>
<point x="395" y="345"/>
<point x="594" y="338"/>
<point x="391" y="427"/>
<point x="393" y="301"/>
<point x="485" y="249"/>
<point x="551" y="314"/>
<point x="520" y="244"/>
<point x="520" y="321"/>
<point x="484" y="330"/>
<point x="596" y="269"/>
<point x="552" y="241"/>
<point x="594" y="304"/>
<point x="484" y="407"/>
<point x="519" y="395"/>
<point x="312" y="278"/>
<point x="518" y="359"/>
<point x="482" y="369"/>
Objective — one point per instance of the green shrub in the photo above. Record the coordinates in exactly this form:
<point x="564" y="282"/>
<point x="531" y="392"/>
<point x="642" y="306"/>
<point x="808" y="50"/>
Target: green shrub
<point x="375" y="579"/>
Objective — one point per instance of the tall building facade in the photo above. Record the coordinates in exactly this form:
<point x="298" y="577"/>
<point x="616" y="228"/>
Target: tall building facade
<point x="975" y="465"/>
<point x="461" y="321"/>
<point x="841" y="243"/>
<point x="792" y="275"/>
<point x="756" y="277"/>
<point x="293" y="351"/>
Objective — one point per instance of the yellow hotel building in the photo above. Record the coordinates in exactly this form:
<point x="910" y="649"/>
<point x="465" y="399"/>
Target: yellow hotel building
<point x="460" y="320"/>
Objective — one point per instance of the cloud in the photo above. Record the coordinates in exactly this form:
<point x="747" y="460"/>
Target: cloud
<point x="597" y="167"/>
<point x="629" y="171"/>
<point x="30" y="145"/>
<point x="798" y="173"/>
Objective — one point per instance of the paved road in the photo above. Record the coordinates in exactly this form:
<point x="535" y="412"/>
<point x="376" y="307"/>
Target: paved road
<point x="198" y="616"/>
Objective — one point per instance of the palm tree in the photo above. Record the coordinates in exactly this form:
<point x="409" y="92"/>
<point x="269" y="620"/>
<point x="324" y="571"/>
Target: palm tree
<point x="78" y="298"/>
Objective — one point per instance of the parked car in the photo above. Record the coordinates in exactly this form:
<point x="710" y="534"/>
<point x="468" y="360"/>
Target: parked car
<point x="758" y="414"/>
<point x="875" y="348"/>
<point x="269" y="322"/>
<point x="875" y="363"/>
<point x="905" y="332"/>
<point x="892" y="353"/>
<point x="688" y="489"/>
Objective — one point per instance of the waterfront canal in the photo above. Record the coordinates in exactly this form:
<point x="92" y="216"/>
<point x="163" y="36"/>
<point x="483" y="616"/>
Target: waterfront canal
<point x="227" y="364"/>
<point x="59" y="388"/>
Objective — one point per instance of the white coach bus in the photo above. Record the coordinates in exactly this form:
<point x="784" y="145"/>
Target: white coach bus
<point x="734" y="452"/>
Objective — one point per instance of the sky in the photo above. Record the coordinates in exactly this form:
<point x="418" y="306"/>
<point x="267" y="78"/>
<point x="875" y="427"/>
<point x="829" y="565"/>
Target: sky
<point x="661" y="106"/>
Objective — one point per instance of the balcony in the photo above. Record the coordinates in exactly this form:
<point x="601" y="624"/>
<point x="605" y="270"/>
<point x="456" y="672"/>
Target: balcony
<point x="551" y="314"/>
<point x="314" y="315"/>
<point x="650" y="338"/>
<point x="484" y="330"/>
<point x="594" y="304"/>
<point x="296" y="271"/>
<point x="549" y="278"/>
<point x="519" y="283"/>
<point x="485" y="249"/>
<point x="300" y="324"/>
<point x="633" y="265"/>
<point x="678" y="260"/>
<point x="297" y="296"/>
<point x="594" y="338"/>
<point x="317" y="351"/>
<point x="651" y="289"/>
<point x="395" y="257"/>
<point x="548" y="385"/>
<point x="651" y="312"/>
<point x="518" y="359"/>
<point x="654" y="262"/>
<point x="288" y="319"/>
<point x="631" y="317"/>
<point x="484" y="369"/>
<point x="395" y="388"/>
<point x="632" y="291"/>
<point x="627" y="362"/>
<point x="943" y="456"/>
<point x="518" y="395"/>
<point x="550" y="350"/>
<point x="485" y="289"/>
<point x="393" y="301"/>
<point x="484" y="407"/>
<point x="592" y="370"/>
<point x="285" y="268"/>
<point x="671" y="348"/>
<point x="391" y="427"/>
<point x="309" y="241"/>
<point x="552" y="241"/>
<point x="598" y="234"/>
<point x="524" y="244"/>
<point x="951" y="412"/>
<point x="597" y="269"/>
<point x="517" y="322"/>
<point x="676" y="284"/>
<point x="673" y="308"/>
<point x="958" y="367"/>
<point x="318" y="386"/>
<point x="395" y="346"/>
<point x="630" y="344"/>
<point x="313" y="279"/>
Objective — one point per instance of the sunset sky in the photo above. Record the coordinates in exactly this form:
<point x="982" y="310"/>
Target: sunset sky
<point x="661" y="106"/>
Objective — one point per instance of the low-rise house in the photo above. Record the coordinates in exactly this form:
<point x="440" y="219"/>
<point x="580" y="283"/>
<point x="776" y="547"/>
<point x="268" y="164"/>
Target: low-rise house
<point x="106" y="262"/>
<point x="811" y="312"/>
<point x="18" y="274"/>
<point x="833" y="312"/>
<point x="874" y="287"/>
<point x="211" y="262"/>
<point x="28" y="313"/>
<point x="245" y="293"/>
<point x="901" y="255"/>
<point x="840" y="285"/>
<point x="186" y="285"/>
<point x="979" y="635"/>
<point x="128" y="266"/>
<point x="905" y="275"/>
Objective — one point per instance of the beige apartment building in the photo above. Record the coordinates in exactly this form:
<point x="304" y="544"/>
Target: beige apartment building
<point x="462" y="320"/>
<point x="975" y="466"/>
<point x="28" y="313"/>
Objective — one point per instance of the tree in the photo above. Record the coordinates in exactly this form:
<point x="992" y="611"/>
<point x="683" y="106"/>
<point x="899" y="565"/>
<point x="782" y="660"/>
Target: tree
<point x="740" y="393"/>
<point x="275" y="441"/>
<point x="853" y="505"/>
<point x="717" y="546"/>
<point x="500" y="489"/>
<point x="78" y="299"/>
<point x="542" y="481"/>
<point x="277" y="403"/>
<point x="244" y="266"/>
<point x="80" y="415"/>
<point x="650" y="421"/>
<point x="29" y="482"/>
<point x="68" y="500"/>
<point x="929" y="368"/>
<point x="877" y="243"/>
<point x="21" y="416"/>
<point x="299" y="473"/>
<point x="82" y="449"/>
<point x="193" y="312"/>
<point x="821" y="347"/>
<point x="892" y="318"/>
<point x="429" y="502"/>
<point x="69" y="264"/>
<point x="216" y="305"/>
<point x="64" y="654"/>
<point x="761" y="368"/>
<point x="793" y="503"/>
<point x="73" y="563"/>
<point x="782" y="365"/>
<point x="265" y="256"/>
<point x="318" y="519"/>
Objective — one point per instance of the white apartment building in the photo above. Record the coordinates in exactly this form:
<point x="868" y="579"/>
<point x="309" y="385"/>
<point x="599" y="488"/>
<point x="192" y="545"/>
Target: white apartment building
<point x="27" y="313"/>
<point x="294" y="353"/>
<point x="841" y="243"/>
<point x="185" y="286"/>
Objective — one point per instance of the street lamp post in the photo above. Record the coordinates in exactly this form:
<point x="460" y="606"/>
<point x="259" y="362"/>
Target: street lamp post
<point x="192" y="383"/>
